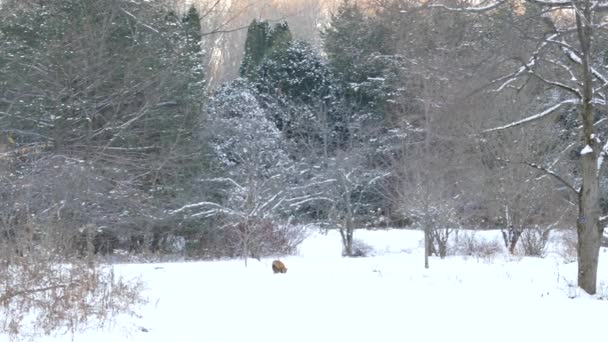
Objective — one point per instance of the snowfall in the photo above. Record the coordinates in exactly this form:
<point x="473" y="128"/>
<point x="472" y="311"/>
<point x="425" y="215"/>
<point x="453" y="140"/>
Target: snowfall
<point x="389" y="296"/>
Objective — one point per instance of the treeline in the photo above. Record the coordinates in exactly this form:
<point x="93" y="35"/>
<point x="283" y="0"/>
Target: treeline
<point x="110" y="141"/>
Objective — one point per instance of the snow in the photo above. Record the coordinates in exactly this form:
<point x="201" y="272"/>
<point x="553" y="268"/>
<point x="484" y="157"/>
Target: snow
<point x="387" y="297"/>
<point x="586" y="150"/>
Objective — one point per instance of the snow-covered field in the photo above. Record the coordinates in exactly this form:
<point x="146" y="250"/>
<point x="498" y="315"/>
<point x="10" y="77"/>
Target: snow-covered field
<point x="388" y="297"/>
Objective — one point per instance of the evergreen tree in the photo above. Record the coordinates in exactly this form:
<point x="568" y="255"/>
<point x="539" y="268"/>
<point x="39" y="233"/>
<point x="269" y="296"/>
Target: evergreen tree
<point x="256" y="46"/>
<point x="113" y="83"/>
<point x="296" y="71"/>
<point x="298" y="87"/>
<point x="279" y="37"/>
<point x="359" y="56"/>
<point x="262" y="39"/>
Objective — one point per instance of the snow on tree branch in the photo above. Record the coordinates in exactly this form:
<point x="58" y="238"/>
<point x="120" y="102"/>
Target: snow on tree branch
<point x="556" y="84"/>
<point x="535" y="117"/>
<point x="552" y="4"/>
<point x="508" y="79"/>
<point x="479" y="8"/>
<point x="195" y="205"/>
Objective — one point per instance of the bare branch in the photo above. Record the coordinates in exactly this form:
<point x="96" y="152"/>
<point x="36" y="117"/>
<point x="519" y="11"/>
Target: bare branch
<point x="555" y="83"/>
<point x="545" y="171"/>
<point x="139" y="22"/>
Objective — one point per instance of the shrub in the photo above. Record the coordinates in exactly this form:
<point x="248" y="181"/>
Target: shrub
<point x="361" y="249"/>
<point x="264" y="239"/>
<point x="470" y="245"/>
<point x="567" y="245"/>
<point x="533" y="241"/>
<point x="40" y="296"/>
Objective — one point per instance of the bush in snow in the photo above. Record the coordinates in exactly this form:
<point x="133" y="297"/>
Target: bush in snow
<point x="567" y="243"/>
<point x="533" y="241"/>
<point x="360" y="249"/>
<point x="469" y="244"/>
<point x="263" y="239"/>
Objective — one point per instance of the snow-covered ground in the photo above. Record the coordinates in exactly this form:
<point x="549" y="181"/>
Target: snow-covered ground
<point x="388" y="297"/>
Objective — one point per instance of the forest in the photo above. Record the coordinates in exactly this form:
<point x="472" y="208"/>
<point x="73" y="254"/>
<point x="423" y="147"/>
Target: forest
<point x="152" y="130"/>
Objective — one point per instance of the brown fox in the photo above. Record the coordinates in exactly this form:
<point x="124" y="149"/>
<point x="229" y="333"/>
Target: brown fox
<point x="278" y="267"/>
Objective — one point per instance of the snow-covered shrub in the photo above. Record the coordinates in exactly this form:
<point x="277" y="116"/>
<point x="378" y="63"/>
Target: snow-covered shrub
<point x="262" y="238"/>
<point x="361" y="249"/>
<point x="469" y="244"/>
<point x="533" y="242"/>
<point x="275" y="239"/>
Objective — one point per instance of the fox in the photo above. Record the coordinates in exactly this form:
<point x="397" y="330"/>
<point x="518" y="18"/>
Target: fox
<point x="278" y="267"/>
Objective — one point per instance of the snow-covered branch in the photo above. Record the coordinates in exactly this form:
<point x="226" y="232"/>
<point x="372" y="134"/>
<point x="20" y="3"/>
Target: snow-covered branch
<point x="556" y="84"/>
<point x="535" y="117"/>
<point x="552" y="3"/>
<point x="270" y="200"/>
<point x="373" y="180"/>
<point x="479" y="9"/>
<point x="195" y="205"/>
<point x="138" y="21"/>
<point x="213" y="212"/>
<point x="508" y="79"/>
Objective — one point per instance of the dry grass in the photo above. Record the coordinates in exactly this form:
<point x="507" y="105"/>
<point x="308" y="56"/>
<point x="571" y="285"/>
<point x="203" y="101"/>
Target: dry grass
<point x="41" y="297"/>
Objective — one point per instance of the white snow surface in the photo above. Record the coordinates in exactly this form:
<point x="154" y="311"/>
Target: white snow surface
<point x="387" y="297"/>
<point x="586" y="150"/>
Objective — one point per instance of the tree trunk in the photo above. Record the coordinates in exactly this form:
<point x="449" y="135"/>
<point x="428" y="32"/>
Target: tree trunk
<point x="588" y="228"/>
<point x="442" y="246"/>
<point x="511" y="237"/>
<point x="349" y="241"/>
<point x="427" y="247"/>
<point x="245" y="250"/>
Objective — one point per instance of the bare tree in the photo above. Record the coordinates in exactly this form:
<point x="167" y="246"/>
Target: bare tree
<point x="566" y="56"/>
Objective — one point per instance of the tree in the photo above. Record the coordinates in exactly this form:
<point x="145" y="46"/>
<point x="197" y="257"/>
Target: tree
<point x="566" y="57"/>
<point x="360" y="56"/>
<point x="119" y="96"/>
<point x="255" y="178"/>
<point x="299" y="90"/>
<point x="93" y="93"/>
<point x="262" y="39"/>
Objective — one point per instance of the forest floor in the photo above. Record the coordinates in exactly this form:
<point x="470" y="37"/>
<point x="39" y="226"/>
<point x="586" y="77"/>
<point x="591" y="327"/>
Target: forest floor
<point x="386" y="297"/>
